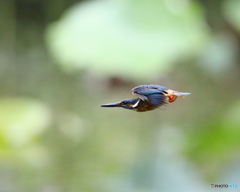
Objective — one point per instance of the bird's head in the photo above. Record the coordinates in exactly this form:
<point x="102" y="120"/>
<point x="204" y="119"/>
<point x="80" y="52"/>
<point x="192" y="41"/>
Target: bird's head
<point x="172" y="95"/>
<point x="126" y="104"/>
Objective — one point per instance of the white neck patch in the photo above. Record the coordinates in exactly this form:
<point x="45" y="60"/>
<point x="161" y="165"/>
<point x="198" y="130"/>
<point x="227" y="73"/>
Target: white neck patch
<point x="136" y="104"/>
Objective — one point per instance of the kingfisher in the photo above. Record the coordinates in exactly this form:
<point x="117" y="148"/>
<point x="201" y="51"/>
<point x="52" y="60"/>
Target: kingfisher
<point x="150" y="97"/>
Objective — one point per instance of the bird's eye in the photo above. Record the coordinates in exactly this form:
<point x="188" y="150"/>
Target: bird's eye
<point x="124" y="103"/>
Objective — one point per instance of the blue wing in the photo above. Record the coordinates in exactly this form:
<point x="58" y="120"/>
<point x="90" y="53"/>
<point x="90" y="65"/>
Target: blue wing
<point x="153" y="94"/>
<point x="157" y="99"/>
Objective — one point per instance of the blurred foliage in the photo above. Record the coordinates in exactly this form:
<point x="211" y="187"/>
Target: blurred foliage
<point x="21" y="120"/>
<point x="61" y="59"/>
<point x="231" y="12"/>
<point x="100" y="35"/>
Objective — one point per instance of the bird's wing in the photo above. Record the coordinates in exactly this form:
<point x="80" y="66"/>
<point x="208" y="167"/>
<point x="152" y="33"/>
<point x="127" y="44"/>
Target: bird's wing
<point x="150" y="93"/>
<point x="158" y="99"/>
<point x="143" y="91"/>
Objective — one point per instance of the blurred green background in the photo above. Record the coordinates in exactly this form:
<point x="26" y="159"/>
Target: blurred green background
<point x="61" y="59"/>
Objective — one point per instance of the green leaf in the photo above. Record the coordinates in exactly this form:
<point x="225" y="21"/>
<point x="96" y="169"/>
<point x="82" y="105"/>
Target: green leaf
<point x="137" y="39"/>
<point x="21" y="120"/>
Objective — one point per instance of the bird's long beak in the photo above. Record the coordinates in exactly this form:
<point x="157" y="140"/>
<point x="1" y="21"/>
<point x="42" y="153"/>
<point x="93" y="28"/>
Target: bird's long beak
<point x="110" y="105"/>
<point x="180" y="94"/>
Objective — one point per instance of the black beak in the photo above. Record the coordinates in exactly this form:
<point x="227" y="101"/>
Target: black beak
<point x="110" y="105"/>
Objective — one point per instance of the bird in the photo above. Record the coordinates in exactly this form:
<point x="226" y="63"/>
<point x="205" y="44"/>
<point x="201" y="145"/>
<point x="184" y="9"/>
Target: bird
<point x="149" y="97"/>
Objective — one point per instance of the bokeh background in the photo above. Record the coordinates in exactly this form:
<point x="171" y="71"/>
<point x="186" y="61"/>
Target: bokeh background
<point x="61" y="59"/>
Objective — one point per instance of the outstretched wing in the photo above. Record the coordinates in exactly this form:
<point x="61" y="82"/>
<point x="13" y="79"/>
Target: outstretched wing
<point x="153" y="94"/>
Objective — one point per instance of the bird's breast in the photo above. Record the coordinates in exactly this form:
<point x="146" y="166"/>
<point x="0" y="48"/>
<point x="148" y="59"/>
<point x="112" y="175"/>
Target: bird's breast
<point x="144" y="106"/>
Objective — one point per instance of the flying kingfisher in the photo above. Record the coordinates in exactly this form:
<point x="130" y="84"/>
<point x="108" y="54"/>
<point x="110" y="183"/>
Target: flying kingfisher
<point x="150" y="97"/>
